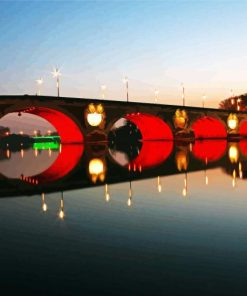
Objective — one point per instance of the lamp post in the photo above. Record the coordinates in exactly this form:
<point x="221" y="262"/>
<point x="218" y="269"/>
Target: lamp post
<point x="183" y="93"/>
<point x="39" y="82"/>
<point x="126" y="82"/>
<point x="56" y="74"/>
<point x="203" y="100"/>
<point x="103" y="88"/>
<point x="156" y="95"/>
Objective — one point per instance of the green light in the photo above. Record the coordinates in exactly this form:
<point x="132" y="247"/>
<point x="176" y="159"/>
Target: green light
<point x="46" y="146"/>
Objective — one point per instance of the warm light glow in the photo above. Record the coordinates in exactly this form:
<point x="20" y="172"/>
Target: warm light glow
<point x="61" y="214"/>
<point x="184" y="192"/>
<point x="40" y="81"/>
<point x="96" y="166"/>
<point x="240" y="170"/>
<point x="180" y="118"/>
<point x="234" y="178"/>
<point x="232" y="121"/>
<point x="44" y="207"/>
<point x="233" y="154"/>
<point x="107" y="195"/>
<point x="22" y="153"/>
<point x="181" y="160"/>
<point x="94" y="119"/>
<point x="96" y="169"/>
<point x="129" y="202"/>
<point x="159" y="187"/>
<point x="206" y="180"/>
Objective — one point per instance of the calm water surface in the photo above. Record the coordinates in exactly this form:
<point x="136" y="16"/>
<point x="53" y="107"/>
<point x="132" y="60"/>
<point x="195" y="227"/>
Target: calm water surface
<point x="179" y="234"/>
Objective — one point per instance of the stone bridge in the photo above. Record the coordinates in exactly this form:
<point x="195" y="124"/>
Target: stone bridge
<point x="88" y="120"/>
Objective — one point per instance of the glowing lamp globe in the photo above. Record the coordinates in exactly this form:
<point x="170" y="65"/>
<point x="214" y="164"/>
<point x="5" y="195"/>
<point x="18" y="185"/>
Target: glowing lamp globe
<point x="232" y="121"/>
<point x="94" y="119"/>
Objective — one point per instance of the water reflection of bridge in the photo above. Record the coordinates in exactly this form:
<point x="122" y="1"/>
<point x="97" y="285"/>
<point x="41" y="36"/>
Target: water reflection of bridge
<point x="93" y="165"/>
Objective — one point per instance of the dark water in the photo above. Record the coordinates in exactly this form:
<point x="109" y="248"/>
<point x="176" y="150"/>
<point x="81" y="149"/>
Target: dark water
<point x="177" y="226"/>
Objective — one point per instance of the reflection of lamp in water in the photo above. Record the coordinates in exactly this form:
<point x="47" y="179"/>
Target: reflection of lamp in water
<point x="185" y="189"/>
<point x="129" y="202"/>
<point x="22" y="153"/>
<point x="95" y="114"/>
<point x="96" y="169"/>
<point x="232" y="121"/>
<point x="206" y="177"/>
<point x="234" y="178"/>
<point x="159" y="187"/>
<point x="181" y="160"/>
<point x="35" y="152"/>
<point x="233" y="153"/>
<point x="8" y="153"/>
<point x="107" y="195"/>
<point x="44" y="205"/>
<point x="240" y="171"/>
<point x="61" y="212"/>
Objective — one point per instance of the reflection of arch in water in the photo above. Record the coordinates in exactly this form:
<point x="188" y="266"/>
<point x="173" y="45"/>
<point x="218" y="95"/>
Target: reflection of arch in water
<point x="209" y="127"/>
<point x="243" y="147"/>
<point x="150" y="126"/>
<point x="64" y="163"/>
<point x="209" y="151"/>
<point x="243" y="128"/>
<point x="152" y="154"/>
<point x="67" y="129"/>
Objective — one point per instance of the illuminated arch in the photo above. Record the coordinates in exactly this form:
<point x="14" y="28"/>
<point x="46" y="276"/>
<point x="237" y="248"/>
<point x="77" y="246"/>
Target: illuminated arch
<point x="243" y="147"/>
<point x="67" y="129"/>
<point x="66" y="161"/>
<point x="209" y="151"/>
<point x="243" y="129"/>
<point x="150" y="126"/>
<point x="152" y="154"/>
<point x="209" y="127"/>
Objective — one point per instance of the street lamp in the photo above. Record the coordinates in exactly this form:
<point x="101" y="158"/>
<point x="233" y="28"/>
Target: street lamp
<point x="103" y="88"/>
<point x="126" y="82"/>
<point x="156" y="95"/>
<point x="183" y="93"/>
<point x="56" y="74"/>
<point x="39" y="82"/>
<point x="203" y="100"/>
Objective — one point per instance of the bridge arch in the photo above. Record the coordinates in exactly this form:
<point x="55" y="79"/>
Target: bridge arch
<point x="209" y="127"/>
<point x="243" y="128"/>
<point x="151" y="127"/>
<point x="66" y="127"/>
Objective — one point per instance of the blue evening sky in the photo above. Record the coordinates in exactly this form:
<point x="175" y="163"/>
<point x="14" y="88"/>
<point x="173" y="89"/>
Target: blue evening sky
<point x="157" y="44"/>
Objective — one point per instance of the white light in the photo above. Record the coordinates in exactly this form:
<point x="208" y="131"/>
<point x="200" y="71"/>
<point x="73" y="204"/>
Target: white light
<point x="125" y="80"/>
<point x="232" y="123"/>
<point x="40" y="81"/>
<point x="56" y="73"/>
<point x="94" y="119"/>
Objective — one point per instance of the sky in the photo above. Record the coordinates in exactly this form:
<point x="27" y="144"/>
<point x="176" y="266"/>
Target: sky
<point x="156" y="44"/>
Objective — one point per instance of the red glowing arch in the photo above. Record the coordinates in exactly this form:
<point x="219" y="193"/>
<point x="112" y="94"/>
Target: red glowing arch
<point x="66" y="161"/>
<point x="209" y="127"/>
<point x="152" y="154"/>
<point x="243" y="129"/>
<point x="209" y="151"/>
<point x="67" y="129"/>
<point x="151" y="127"/>
<point x="243" y="147"/>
